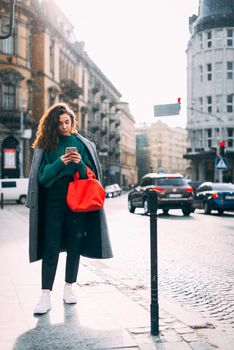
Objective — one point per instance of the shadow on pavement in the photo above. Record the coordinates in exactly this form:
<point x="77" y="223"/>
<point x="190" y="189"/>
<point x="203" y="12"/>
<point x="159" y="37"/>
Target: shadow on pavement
<point x="65" y="336"/>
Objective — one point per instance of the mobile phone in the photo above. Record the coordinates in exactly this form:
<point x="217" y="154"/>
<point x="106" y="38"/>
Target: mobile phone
<point x="71" y="149"/>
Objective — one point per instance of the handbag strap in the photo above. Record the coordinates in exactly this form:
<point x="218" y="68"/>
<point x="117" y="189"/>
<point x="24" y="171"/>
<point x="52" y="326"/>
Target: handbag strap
<point x="89" y="173"/>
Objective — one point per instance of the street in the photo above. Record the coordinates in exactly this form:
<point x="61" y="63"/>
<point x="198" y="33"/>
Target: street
<point x="195" y="257"/>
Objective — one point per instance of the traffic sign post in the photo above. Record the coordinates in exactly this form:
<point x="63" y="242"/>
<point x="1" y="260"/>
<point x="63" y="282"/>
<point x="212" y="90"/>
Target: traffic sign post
<point x="220" y="165"/>
<point x="154" y="309"/>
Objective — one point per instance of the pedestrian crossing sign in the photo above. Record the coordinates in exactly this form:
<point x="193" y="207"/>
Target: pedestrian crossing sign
<point x="221" y="163"/>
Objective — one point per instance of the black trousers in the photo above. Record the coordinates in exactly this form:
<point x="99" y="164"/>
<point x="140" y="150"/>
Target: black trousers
<point x="62" y="228"/>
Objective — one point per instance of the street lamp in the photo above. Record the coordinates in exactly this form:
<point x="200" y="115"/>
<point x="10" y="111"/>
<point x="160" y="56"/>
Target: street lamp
<point x="7" y="11"/>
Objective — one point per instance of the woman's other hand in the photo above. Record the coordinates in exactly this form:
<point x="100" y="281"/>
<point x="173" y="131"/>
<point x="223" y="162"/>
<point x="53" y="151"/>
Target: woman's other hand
<point x="75" y="157"/>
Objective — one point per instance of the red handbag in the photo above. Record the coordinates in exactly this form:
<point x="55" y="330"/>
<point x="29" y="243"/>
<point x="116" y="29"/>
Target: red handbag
<point x="85" y="194"/>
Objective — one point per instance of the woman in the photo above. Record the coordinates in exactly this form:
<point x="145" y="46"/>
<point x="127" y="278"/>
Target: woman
<point x="59" y="151"/>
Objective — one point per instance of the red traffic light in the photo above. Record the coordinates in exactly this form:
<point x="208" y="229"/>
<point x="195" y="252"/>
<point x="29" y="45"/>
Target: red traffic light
<point x="222" y="143"/>
<point x="179" y="99"/>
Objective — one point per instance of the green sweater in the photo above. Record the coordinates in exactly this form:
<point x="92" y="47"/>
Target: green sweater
<point x="53" y="168"/>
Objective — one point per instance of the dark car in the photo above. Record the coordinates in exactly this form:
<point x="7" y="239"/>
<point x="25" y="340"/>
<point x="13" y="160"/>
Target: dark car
<point x="173" y="193"/>
<point x="214" y="196"/>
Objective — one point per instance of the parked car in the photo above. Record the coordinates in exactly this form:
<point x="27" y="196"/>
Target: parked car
<point x="214" y="196"/>
<point x="14" y="189"/>
<point x="173" y="193"/>
<point x="110" y="191"/>
<point x="117" y="189"/>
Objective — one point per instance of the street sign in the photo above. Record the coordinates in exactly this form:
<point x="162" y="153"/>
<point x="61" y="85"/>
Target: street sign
<point x="221" y="163"/>
<point x="166" y="110"/>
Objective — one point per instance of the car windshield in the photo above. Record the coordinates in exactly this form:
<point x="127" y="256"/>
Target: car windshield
<point x="171" y="181"/>
<point x="223" y="187"/>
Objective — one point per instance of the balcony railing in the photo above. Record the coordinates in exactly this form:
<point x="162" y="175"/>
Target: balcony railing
<point x="96" y="107"/>
<point x="112" y="134"/>
<point x="94" y="127"/>
<point x="104" y="130"/>
<point x="71" y="89"/>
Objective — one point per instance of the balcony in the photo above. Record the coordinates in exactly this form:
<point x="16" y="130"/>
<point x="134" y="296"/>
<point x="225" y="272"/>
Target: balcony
<point x="102" y="115"/>
<point x="96" y="107"/>
<point x="71" y="89"/>
<point x="117" y="137"/>
<point x="112" y="134"/>
<point x="111" y="150"/>
<point x="96" y="88"/>
<point x="112" y="118"/>
<point x="12" y="118"/>
<point x="104" y="148"/>
<point x="94" y="127"/>
<point x="104" y="130"/>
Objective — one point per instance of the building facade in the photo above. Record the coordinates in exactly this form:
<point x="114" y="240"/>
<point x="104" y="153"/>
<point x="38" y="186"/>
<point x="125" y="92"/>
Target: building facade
<point x="42" y="64"/>
<point x="165" y="147"/>
<point x="210" y="90"/>
<point x="127" y="146"/>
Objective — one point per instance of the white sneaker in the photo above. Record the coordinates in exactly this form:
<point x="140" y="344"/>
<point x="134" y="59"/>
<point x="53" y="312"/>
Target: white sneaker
<point x="43" y="305"/>
<point x="68" y="296"/>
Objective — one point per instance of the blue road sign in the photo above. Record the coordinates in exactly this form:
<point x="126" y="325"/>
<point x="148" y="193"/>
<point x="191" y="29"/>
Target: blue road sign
<point x="221" y="163"/>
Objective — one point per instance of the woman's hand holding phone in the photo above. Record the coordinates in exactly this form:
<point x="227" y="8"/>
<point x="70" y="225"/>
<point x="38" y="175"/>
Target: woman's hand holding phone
<point x="71" y="155"/>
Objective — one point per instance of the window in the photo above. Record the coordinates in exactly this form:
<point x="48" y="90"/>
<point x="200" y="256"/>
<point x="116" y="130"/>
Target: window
<point x="52" y="57"/>
<point x="219" y="38"/>
<point x="200" y="100"/>
<point x="8" y="97"/>
<point x="7" y="45"/>
<point x="230" y="140"/>
<point x="209" y="39"/>
<point x="218" y="103"/>
<point x="218" y="70"/>
<point x="200" y="68"/>
<point x="229" y="70"/>
<point x="209" y="104"/>
<point x="83" y="81"/>
<point x="209" y="137"/>
<point x="201" y="41"/>
<point x="230" y="103"/>
<point x="209" y="71"/>
<point x="230" y="37"/>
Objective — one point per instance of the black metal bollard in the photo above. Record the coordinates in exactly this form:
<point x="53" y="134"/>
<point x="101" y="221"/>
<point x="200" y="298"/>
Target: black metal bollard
<point x="2" y="201"/>
<point x="154" y="309"/>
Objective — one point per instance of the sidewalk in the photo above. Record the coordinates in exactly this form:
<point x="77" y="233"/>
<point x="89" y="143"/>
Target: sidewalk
<point x="105" y="316"/>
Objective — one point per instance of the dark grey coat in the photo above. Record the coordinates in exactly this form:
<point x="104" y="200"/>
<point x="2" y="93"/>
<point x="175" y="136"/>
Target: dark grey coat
<point x="96" y="242"/>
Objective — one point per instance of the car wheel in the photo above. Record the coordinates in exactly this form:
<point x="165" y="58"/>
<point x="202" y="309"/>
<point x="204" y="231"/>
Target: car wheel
<point x="131" y="208"/>
<point x="186" y="211"/>
<point x="146" y="207"/>
<point x="22" y="199"/>
<point x="220" y="211"/>
<point x="207" y="209"/>
<point x="165" y="211"/>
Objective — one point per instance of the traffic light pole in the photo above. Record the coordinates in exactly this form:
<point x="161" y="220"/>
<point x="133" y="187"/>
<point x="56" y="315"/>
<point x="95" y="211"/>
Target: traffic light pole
<point x="154" y="309"/>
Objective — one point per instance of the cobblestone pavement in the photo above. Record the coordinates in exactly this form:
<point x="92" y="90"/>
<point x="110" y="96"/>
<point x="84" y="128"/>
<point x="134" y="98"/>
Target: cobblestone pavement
<point x="195" y="255"/>
<point x="195" y="258"/>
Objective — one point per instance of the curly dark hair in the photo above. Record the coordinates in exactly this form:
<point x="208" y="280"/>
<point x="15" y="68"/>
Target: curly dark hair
<point x="47" y="136"/>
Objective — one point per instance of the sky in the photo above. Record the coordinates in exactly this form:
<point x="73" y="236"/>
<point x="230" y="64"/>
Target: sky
<point x="140" y="46"/>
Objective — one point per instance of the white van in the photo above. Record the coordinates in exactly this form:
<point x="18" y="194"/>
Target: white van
<point x="14" y="189"/>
